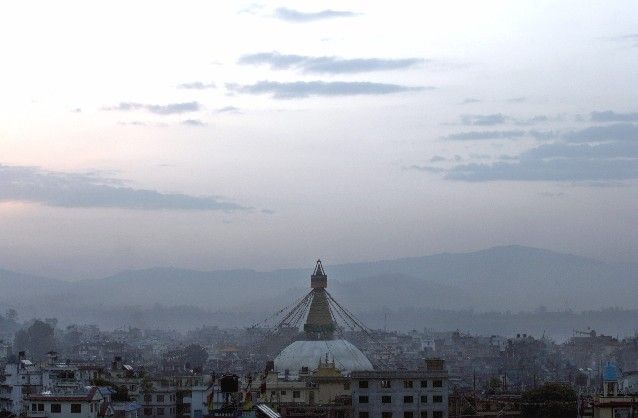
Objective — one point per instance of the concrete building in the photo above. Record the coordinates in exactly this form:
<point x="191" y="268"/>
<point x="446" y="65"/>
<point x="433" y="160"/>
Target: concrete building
<point x="419" y="393"/>
<point x="613" y="404"/>
<point x="629" y="383"/>
<point x="20" y="379"/>
<point x="126" y="409"/>
<point x="159" y="402"/>
<point x="324" y="392"/>
<point x="85" y="403"/>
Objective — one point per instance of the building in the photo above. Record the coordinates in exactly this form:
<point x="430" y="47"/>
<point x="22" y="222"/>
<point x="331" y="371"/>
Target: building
<point x="421" y="393"/>
<point x="159" y="401"/>
<point x="319" y="331"/>
<point x="126" y="409"/>
<point x="613" y="404"/>
<point x="322" y="392"/>
<point x="20" y="378"/>
<point x="85" y="403"/>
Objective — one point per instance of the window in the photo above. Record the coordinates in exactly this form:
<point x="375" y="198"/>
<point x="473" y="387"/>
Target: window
<point x="386" y="383"/>
<point x="363" y="399"/>
<point x="273" y="393"/>
<point x="364" y="415"/>
<point x="437" y="398"/>
<point x="76" y="408"/>
<point x="386" y="414"/>
<point x="437" y="414"/>
<point x="408" y="384"/>
<point x="148" y="398"/>
<point x="346" y="386"/>
<point x="91" y="407"/>
<point x="160" y="398"/>
<point x="424" y="383"/>
<point x="424" y="414"/>
<point x="40" y="407"/>
<point x="363" y="384"/>
<point x="56" y="408"/>
<point x="160" y="411"/>
<point x="424" y="398"/>
<point x="408" y="414"/>
<point x="296" y="394"/>
<point x="386" y="399"/>
<point x="148" y="411"/>
<point x="437" y="383"/>
<point x="34" y="407"/>
<point x="408" y="399"/>
<point x="283" y="393"/>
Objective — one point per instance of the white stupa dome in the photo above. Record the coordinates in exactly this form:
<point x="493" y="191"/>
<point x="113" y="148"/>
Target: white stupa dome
<point x="300" y="354"/>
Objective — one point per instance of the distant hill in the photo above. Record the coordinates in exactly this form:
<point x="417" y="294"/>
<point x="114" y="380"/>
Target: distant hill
<point x="502" y="278"/>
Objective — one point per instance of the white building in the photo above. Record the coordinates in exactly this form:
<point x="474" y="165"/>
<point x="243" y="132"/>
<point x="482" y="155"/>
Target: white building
<point x="25" y="377"/>
<point x="401" y="394"/>
<point x="20" y="378"/>
<point x="85" y="403"/>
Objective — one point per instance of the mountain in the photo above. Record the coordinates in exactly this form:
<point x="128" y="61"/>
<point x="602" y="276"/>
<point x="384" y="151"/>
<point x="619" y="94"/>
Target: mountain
<point x="17" y="287"/>
<point x="501" y="278"/>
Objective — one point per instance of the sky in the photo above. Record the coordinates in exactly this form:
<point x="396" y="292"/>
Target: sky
<point x="228" y="134"/>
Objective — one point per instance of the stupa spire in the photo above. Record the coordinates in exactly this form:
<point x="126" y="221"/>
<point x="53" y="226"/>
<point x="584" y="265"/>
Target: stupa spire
<point x="319" y="322"/>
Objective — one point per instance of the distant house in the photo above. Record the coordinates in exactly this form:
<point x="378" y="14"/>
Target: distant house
<point x="81" y="404"/>
<point x="126" y="409"/>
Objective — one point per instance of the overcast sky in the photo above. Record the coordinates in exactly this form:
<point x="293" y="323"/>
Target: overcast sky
<point x="264" y="135"/>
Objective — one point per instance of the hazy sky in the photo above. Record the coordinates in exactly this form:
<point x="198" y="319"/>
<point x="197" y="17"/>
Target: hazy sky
<point x="227" y="134"/>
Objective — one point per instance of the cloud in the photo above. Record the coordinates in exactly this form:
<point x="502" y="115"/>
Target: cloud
<point x="427" y="169"/>
<point x="485" y="135"/>
<point x="611" y="116"/>
<point x="302" y="89"/>
<point x="618" y="150"/>
<point x="606" y="153"/>
<point x="437" y="158"/>
<point x="193" y="122"/>
<point x="295" y="16"/>
<point x="470" y="100"/>
<point x="543" y="135"/>
<point x="326" y="65"/>
<point x="614" y="132"/>
<point x="516" y="100"/>
<point x="94" y="190"/>
<point x="168" y="109"/>
<point x="552" y="194"/>
<point x="630" y="37"/>
<point x="534" y="120"/>
<point x="196" y="85"/>
<point x="499" y="119"/>
<point x="483" y="120"/>
<point x="228" y="109"/>
<point x="547" y="170"/>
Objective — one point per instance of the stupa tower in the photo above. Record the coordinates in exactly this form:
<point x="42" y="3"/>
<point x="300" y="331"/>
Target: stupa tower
<point x="320" y="323"/>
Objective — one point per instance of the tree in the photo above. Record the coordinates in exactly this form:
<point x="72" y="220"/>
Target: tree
<point x="12" y="315"/>
<point x="121" y="394"/>
<point x="195" y="355"/>
<point x="495" y="383"/>
<point x="552" y="400"/>
<point x="37" y="340"/>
